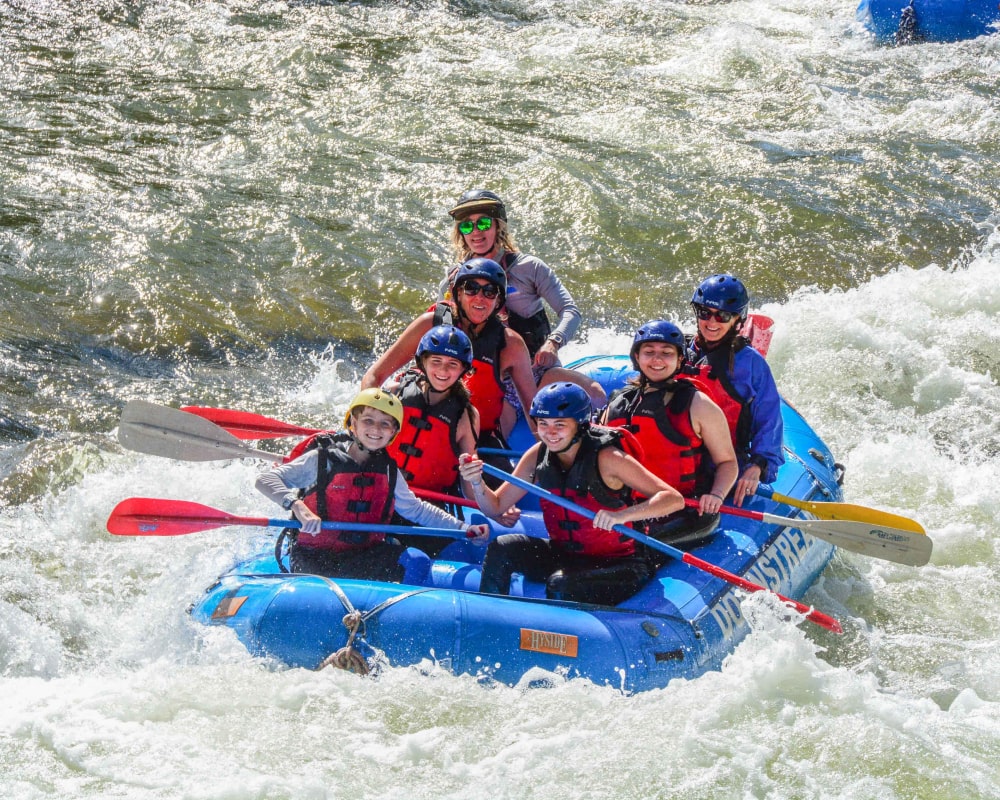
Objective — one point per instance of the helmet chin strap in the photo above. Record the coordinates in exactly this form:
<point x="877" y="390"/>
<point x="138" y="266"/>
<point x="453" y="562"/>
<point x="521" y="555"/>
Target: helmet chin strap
<point x="667" y="383"/>
<point x="430" y="386"/>
<point x="361" y="447"/>
<point x="577" y="437"/>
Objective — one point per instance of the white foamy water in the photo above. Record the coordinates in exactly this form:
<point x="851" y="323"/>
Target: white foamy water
<point x="111" y="691"/>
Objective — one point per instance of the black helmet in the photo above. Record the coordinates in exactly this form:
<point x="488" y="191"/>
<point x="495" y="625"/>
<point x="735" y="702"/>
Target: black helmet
<point x="479" y="201"/>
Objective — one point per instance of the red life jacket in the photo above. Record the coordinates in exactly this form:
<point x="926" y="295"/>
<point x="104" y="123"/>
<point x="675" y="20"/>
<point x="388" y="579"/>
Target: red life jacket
<point x="483" y="381"/>
<point x="711" y="375"/>
<point x="346" y="491"/>
<point x="673" y="451"/>
<point x="582" y="484"/>
<point x="426" y="449"/>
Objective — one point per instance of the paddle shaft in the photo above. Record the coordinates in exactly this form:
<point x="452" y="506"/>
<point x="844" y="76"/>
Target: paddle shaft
<point x="499" y="451"/>
<point x="818" y="617"/>
<point x="143" y="516"/>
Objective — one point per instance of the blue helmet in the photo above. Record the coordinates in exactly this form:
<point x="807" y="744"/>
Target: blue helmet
<point x="446" y="340"/>
<point x="557" y="400"/>
<point x="723" y="293"/>
<point x="479" y="201"/>
<point x="484" y="268"/>
<point x="659" y="330"/>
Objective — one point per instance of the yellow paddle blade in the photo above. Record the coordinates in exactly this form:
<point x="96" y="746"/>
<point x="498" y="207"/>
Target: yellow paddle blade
<point x="853" y="513"/>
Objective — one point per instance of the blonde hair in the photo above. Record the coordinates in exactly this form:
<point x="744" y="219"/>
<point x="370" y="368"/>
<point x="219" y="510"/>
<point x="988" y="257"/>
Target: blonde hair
<point x="504" y="238"/>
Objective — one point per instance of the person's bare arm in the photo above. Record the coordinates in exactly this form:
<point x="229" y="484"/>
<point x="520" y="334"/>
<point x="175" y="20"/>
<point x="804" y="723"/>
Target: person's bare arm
<point x="495" y="503"/>
<point x="399" y="353"/>
<point x="467" y="431"/>
<point x="709" y="423"/>
<point x="515" y="359"/>
<point x="598" y="397"/>
<point x="617" y="470"/>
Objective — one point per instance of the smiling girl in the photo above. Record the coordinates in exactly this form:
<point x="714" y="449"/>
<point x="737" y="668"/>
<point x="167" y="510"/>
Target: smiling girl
<point x="738" y="379"/>
<point x="684" y="435"/>
<point x="349" y="477"/>
<point x="582" y="559"/>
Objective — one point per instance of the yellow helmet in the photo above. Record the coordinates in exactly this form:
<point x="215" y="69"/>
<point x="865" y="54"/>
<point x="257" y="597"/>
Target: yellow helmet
<point x="379" y="400"/>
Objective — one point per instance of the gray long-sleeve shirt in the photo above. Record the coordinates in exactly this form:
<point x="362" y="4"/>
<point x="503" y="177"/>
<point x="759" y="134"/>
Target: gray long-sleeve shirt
<point x="276" y="484"/>
<point x="530" y="281"/>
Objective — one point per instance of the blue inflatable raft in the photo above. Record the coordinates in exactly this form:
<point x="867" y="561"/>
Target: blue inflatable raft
<point x="905" y="21"/>
<point x="680" y="624"/>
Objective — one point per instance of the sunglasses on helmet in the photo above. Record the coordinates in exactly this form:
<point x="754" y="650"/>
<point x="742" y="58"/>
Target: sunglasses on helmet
<point x="489" y="290"/>
<point x="466" y="226"/>
<point x="704" y="313"/>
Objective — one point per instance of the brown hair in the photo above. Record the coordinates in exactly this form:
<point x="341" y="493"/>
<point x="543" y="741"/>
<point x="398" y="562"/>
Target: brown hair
<point x="457" y="389"/>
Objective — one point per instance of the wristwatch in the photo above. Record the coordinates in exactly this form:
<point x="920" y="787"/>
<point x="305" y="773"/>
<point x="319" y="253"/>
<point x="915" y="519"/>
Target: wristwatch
<point x="557" y="339"/>
<point x="290" y="498"/>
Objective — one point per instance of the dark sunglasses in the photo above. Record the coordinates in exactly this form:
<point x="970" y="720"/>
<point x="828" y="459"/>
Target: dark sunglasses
<point x="706" y="314"/>
<point x="489" y="290"/>
<point x="466" y="226"/>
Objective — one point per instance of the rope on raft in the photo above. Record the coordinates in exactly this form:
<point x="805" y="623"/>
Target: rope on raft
<point x="348" y="657"/>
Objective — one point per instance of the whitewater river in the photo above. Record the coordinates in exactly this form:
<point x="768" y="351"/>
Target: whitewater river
<point x="241" y="203"/>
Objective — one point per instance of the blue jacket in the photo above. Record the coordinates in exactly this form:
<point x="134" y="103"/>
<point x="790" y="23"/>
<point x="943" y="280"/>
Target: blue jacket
<point x="752" y="379"/>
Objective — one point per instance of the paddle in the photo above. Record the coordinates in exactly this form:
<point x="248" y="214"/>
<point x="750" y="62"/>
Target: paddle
<point x="892" y="544"/>
<point x="163" y="431"/>
<point x="810" y="613"/>
<point x="170" y="432"/>
<point x="160" y="430"/>
<point x="873" y="533"/>
<point x="244" y="425"/>
<point x="147" y="516"/>
<point x="828" y="510"/>
<point x="499" y="451"/>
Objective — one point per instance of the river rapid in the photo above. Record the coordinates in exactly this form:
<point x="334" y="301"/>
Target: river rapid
<point x="241" y="204"/>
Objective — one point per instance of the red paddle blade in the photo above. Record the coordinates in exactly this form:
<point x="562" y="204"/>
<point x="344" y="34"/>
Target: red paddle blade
<point x="145" y="516"/>
<point x="244" y="425"/>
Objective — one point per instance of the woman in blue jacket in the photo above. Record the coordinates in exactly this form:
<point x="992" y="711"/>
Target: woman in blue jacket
<point x="738" y="379"/>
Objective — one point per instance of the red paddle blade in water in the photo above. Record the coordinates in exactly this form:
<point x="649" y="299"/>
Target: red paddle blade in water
<point x="145" y="516"/>
<point x="244" y="425"/>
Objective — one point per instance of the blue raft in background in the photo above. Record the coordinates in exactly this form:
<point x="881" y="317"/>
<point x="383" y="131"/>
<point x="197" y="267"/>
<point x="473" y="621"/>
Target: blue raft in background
<point x="929" y="20"/>
<point x="682" y="623"/>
